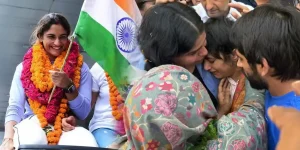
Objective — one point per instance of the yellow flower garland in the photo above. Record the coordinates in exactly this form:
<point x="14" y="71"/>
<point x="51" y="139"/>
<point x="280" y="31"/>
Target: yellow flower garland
<point x="41" y="78"/>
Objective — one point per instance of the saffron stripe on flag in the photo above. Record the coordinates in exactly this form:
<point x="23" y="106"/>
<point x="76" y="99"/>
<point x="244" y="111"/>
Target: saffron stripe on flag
<point x="127" y="6"/>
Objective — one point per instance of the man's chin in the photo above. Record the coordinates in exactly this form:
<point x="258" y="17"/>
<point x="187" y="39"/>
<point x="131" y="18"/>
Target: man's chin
<point x="258" y="86"/>
<point x="214" y="15"/>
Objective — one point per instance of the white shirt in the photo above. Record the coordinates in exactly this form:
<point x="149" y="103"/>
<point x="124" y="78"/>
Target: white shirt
<point x="233" y="86"/>
<point x="204" y="17"/>
<point x="102" y="117"/>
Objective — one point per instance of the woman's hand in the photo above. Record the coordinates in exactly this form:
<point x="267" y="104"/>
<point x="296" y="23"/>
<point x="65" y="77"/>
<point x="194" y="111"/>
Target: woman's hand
<point x="7" y="144"/>
<point x="69" y="123"/>
<point x="224" y="98"/>
<point x="60" y="79"/>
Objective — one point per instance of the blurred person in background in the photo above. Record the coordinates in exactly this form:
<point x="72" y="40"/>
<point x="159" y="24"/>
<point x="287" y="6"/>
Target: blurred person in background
<point x="144" y="5"/>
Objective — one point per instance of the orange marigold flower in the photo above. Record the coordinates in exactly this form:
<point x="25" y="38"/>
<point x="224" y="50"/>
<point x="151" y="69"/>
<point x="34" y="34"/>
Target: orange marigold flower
<point x="116" y="93"/>
<point x="119" y="98"/>
<point x="114" y="107"/>
<point x="113" y="98"/>
<point x="113" y="103"/>
<point x="63" y="105"/>
<point x="115" y="113"/>
<point x="41" y="78"/>
<point x="62" y="110"/>
<point x="119" y="116"/>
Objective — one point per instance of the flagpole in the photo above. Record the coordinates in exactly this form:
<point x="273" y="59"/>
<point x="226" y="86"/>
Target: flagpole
<point x="62" y="67"/>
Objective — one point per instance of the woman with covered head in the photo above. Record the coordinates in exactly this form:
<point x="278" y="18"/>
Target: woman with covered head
<point x="30" y="117"/>
<point x="165" y="108"/>
<point x="170" y="106"/>
<point x="173" y="33"/>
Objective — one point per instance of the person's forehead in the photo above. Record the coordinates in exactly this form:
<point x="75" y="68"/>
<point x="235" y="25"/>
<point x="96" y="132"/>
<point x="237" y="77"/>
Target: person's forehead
<point x="239" y="54"/>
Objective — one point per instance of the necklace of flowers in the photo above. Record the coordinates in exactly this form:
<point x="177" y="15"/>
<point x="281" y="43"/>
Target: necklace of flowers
<point x="37" y="84"/>
<point x="116" y="100"/>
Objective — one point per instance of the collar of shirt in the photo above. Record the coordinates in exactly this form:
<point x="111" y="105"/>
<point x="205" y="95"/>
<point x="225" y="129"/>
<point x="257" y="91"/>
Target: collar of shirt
<point x="233" y="85"/>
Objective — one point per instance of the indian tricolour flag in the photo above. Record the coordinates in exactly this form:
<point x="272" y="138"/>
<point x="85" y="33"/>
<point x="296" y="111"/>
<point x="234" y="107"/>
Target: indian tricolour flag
<point x="106" y="30"/>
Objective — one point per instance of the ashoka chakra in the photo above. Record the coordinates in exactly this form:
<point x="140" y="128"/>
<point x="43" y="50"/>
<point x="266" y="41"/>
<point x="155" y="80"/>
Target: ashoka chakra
<point x="125" y="35"/>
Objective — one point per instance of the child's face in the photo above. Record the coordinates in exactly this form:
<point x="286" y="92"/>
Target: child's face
<point x="219" y="67"/>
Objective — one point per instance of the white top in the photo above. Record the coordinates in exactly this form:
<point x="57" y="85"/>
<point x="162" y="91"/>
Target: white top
<point x="204" y="17"/>
<point x="233" y="86"/>
<point x="102" y="117"/>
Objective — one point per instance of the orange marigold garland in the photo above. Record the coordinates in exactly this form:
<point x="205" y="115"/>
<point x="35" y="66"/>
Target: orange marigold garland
<point x="37" y="84"/>
<point x="116" y="100"/>
<point x="54" y="136"/>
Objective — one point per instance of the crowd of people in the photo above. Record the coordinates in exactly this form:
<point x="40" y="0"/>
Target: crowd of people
<point x="221" y="74"/>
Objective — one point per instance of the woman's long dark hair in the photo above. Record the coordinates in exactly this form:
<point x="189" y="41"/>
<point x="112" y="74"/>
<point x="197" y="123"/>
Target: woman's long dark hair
<point x="168" y="30"/>
<point x="45" y="24"/>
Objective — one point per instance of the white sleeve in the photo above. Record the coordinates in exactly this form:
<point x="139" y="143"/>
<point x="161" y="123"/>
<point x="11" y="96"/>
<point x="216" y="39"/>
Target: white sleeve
<point x="98" y="75"/>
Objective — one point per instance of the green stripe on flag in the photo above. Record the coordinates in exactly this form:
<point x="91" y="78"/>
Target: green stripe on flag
<point x="100" y="45"/>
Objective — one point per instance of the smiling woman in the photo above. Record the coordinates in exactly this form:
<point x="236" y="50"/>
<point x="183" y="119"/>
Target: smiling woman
<point x="53" y="31"/>
<point x="55" y="40"/>
<point x="33" y="81"/>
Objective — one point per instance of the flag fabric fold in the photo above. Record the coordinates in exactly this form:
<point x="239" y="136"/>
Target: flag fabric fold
<point x="106" y="30"/>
